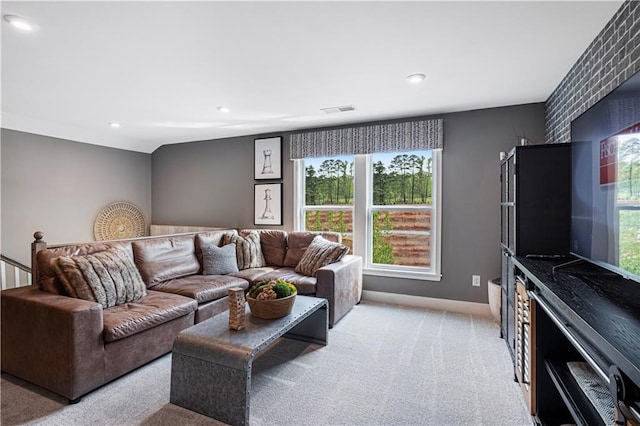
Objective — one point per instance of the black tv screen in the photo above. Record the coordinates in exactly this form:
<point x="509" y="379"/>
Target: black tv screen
<point x="605" y="200"/>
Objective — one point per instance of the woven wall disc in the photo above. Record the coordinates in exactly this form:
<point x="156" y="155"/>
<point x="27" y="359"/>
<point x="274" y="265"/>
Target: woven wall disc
<point x="119" y="220"/>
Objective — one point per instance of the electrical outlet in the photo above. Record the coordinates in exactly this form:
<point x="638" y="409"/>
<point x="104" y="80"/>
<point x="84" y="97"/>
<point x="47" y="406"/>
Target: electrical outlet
<point x="475" y="280"/>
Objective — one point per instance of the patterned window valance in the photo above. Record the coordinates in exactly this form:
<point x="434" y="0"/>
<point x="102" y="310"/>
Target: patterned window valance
<point x="393" y="137"/>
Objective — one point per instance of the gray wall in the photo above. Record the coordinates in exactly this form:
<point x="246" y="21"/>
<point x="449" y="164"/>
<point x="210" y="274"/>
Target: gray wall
<point x="58" y="187"/>
<point x="471" y="200"/>
<point x="210" y="183"/>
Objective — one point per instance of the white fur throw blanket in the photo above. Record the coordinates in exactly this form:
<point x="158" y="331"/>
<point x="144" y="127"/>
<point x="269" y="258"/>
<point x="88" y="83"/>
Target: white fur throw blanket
<point x="108" y="277"/>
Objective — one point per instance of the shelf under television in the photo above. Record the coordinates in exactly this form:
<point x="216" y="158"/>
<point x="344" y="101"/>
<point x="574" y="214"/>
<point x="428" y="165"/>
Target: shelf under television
<point x="601" y="309"/>
<point x="581" y="409"/>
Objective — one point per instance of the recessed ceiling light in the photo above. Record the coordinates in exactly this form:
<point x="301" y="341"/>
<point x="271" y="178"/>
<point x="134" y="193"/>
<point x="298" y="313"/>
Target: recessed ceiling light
<point x="19" y="22"/>
<point x="114" y="124"/>
<point x="222" y="108"/>
<point x="415" y="78"/>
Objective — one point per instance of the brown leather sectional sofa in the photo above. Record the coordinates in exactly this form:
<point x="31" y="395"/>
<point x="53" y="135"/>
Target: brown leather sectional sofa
<point x="71" y="346"/>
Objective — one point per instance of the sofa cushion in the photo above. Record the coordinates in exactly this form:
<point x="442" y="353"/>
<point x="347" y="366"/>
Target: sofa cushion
<point x="202" y="288"/>
<point x="304" y="284"/>
<point x="165" y="258"/>
<point x="297" y="243"/>
<point x="48" y="280"/>
<point x="219" y="260"/>
<point x="274" y="245"/>
<point x="108" y="277"/>
<point x="320" y="252"/>
<point x="154" y="309"/>
<point x="252" y="274"/>
<point x="248" y="250"/>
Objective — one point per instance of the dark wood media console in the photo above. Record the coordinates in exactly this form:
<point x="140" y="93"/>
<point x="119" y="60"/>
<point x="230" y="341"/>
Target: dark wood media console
<point x="585" y="320"/>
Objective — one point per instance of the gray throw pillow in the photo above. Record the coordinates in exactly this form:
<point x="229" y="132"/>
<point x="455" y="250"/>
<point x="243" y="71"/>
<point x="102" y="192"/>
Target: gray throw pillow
<point x="219" y="260"/>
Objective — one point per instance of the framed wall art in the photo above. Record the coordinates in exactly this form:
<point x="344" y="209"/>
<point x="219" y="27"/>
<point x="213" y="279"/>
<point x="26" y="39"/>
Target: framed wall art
<point x="268" y="158"/>
<point x="267" y="204"/>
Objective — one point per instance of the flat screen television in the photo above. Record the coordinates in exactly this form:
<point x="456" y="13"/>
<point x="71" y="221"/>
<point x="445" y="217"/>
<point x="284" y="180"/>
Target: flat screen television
<point x="605" y="199"/>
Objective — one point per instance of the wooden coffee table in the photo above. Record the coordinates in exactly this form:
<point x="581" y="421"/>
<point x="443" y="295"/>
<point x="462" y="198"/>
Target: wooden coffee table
<point x="211" y="364"/>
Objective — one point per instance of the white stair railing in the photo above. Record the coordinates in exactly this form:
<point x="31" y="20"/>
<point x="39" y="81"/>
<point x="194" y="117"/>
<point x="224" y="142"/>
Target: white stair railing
<point x="13" y="274"/>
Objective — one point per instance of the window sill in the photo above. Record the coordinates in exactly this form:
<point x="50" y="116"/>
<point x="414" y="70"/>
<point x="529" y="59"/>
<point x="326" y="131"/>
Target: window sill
<point x="411" y="275"/>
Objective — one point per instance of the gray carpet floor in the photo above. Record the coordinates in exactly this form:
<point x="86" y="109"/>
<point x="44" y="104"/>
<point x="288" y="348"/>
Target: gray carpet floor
<point x="384" y="365"/>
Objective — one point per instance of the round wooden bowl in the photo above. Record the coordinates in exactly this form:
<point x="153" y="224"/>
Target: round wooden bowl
<point x="271" y="309"/>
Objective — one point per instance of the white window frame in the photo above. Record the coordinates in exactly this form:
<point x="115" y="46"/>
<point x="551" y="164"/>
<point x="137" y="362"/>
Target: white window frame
<point x="362" y="208"/>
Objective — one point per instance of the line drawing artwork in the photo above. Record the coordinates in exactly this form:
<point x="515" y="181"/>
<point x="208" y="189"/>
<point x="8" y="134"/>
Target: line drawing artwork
<point x="268" y="158"/>
<point x="267" y="204"/>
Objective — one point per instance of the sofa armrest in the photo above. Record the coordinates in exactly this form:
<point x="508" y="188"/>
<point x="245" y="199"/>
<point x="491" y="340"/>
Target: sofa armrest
<point x="53" y="341"/>
<point x="341" y="284"/>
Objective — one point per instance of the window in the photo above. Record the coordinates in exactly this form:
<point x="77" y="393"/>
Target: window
<point x="386" y="205"/>
<point x="328" y="196"/>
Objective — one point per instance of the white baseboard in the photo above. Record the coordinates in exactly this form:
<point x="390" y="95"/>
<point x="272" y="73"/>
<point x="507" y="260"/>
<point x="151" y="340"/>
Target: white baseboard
<point x="428" y="302"/>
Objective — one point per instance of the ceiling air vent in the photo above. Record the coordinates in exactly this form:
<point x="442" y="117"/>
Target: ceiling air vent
<point x="333" y="110"/>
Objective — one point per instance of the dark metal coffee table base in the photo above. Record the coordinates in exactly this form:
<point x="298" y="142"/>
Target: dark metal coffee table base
<point x="211" y="364"/>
